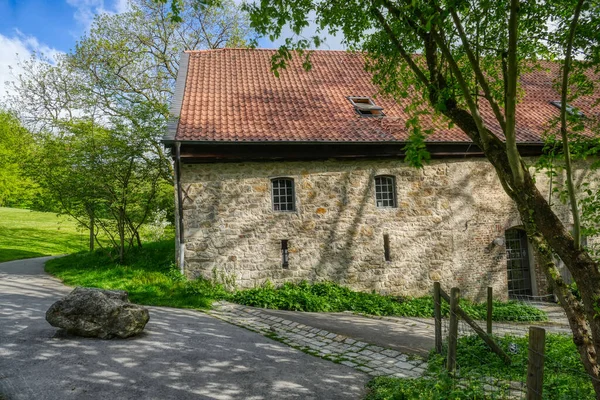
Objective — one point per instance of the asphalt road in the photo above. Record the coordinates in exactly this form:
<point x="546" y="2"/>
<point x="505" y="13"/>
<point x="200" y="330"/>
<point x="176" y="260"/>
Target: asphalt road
<point x="182" y="354"/>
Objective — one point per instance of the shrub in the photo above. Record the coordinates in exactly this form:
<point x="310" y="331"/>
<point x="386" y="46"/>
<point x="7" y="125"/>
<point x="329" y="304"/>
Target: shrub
<point x="331" y="297"/>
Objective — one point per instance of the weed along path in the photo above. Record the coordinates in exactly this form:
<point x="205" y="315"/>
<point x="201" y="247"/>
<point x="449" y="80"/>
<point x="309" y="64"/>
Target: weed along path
<point x="182" y="354"/>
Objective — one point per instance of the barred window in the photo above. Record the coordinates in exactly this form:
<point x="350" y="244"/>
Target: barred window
<point x="385" y="191"/>
<point x="283" y="194"/>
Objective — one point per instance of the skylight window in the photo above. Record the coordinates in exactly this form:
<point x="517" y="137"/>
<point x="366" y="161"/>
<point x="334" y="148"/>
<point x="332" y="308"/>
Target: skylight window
<point x="366" y="107"/>
<point x="570" y="109"/>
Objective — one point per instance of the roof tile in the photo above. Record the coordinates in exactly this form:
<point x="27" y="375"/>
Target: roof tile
<point x="231" y="95"/>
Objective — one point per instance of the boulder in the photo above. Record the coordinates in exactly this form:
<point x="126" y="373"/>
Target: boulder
<point x="99" y="313"/>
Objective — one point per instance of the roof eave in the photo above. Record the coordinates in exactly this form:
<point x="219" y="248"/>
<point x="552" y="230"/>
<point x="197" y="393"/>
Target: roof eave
<point x="177" y="100"/>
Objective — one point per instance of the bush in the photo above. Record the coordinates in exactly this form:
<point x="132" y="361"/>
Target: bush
<point x="331" y="297"/>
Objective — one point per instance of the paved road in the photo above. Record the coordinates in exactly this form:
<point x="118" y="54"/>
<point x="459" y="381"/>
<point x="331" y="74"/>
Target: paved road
<point x="183" y="354"/>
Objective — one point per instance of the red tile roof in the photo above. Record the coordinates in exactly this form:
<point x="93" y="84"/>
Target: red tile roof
<point x="231" y="95"/>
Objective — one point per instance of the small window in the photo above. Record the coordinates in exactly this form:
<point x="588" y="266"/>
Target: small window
<point x="386" y="248"/>
<point x="283" y="194"/>
<point x="385" y="191"/>
<point x="285" y="254"/>
<point x="570" y="109"/>
<point x="366" y="107"/>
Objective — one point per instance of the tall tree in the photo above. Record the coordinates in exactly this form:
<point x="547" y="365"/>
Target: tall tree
<point x="471" y="54"/>
<point x="116" y="84"/>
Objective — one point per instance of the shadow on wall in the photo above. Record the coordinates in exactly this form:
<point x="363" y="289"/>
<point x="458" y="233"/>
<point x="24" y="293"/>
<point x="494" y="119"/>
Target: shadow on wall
<point x="182" y="355"/>
<point x="453" y="240"/>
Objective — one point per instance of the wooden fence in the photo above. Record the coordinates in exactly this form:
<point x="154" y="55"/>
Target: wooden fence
<point x="535" y="368"/>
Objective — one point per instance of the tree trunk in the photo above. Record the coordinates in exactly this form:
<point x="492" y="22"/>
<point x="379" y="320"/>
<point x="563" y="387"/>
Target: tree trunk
<point x="92" y="232"/>
<point x="547" y="233"/>
<point x="563" y="125"/>
<point x="121" y="225"/>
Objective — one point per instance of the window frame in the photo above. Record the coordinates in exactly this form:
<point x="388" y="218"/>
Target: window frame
<point x="374" y="111"/>
<point x="278" y="204"/>
<point x="394" y="198"/>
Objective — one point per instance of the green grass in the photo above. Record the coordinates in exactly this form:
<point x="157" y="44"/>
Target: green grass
<point x="27" y="234"/>
<point x="150" y="277"/>
<point x="330" y="297"/>
<point x="564" y="375"/>
<point x="147" y="274"/>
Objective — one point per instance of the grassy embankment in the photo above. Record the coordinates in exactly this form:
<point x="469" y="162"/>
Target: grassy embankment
<point x="27" y="234"/>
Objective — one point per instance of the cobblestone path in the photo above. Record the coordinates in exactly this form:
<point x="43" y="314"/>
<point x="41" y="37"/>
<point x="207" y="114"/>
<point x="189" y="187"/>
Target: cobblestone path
<point x="365" y="357"/>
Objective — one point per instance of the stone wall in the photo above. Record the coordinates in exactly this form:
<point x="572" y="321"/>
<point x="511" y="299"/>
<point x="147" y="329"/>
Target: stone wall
<point x="448" y="225"/>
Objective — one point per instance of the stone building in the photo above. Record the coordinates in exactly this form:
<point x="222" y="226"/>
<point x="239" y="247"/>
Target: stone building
<point x="301" y="177"/>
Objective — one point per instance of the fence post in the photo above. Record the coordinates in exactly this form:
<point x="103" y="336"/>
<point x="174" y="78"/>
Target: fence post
<point x="490" y="307"/>
<point x="535" y="367"/>
<point x="437" y="314"/>
<point x="453" y="330"/>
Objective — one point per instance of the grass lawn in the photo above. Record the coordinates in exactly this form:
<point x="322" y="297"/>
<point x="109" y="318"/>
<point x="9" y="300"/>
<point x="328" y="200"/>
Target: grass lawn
<point x="27" y="234"/>
<point x="148" y="274"/>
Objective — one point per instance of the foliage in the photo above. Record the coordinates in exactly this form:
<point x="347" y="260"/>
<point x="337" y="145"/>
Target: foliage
<point x="27" y="234"/>
<point x="16" y="188"/>
<point x="331" y="297"/>
<point x="443" y="387"/>
<point x="98" y="113"/>
<point x="101" y="177"/>
<point x="147" y="274"/>
<point x="158" y="227"/>
<point x="582" y="149"/>
<point x="564" y="375"/>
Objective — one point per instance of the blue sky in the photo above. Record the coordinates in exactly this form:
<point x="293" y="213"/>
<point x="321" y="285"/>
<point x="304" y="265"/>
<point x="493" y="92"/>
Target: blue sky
<point x="54" y="26"/>
<point x="51" y="22"/>
<point x="47" y="26"/>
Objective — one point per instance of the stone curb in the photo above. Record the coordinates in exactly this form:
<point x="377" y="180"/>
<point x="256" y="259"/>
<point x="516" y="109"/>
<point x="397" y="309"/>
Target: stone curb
<point x="365" y="357"/>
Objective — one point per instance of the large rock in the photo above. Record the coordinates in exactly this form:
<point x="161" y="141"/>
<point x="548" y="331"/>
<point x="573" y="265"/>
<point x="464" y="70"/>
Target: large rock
<point x="98" y="313"/>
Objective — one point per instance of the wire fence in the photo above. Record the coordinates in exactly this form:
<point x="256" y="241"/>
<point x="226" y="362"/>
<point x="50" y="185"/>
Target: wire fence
<point x="477" y="371"/>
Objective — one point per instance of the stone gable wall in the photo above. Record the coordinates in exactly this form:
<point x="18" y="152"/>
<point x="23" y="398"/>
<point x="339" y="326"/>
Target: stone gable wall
<point x="448" y="225"/>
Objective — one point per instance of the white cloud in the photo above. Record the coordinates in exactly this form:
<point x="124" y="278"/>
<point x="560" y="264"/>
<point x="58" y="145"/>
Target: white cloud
<point x="15" y="48"/>
<point x="86" y="10"/>
<point x="330" y="41"/>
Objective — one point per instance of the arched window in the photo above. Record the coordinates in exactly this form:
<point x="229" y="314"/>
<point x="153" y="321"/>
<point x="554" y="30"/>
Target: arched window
<point x="283" y="194"/>
<point x="385" y="191"/>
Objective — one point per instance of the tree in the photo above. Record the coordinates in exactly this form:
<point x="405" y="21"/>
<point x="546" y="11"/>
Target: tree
<point x="106" y="103"/>
<point x="101" y="177"/>
<point x="464" y="56"/>
<point x="126" y="66"/>
<point x="16" y="188"/>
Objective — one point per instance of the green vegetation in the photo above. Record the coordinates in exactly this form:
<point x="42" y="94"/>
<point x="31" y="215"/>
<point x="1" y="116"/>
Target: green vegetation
<point x="330" y="297"/>
<point x="564" y="375"/>
<point x="147" y="273"/>
<point x="27" y="234"/>
<point x="150" y="277"/>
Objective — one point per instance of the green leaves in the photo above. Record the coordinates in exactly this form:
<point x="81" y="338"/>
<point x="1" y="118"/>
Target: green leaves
<point x="331" y="297"/>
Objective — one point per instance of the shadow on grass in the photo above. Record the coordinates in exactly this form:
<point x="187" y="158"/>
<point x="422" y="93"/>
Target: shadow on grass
<point x="18" y="254"/>
<point x="46" y="242"/>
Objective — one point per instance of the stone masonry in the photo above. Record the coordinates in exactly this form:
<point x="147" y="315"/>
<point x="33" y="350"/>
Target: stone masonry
<point x="448" y="225"/>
